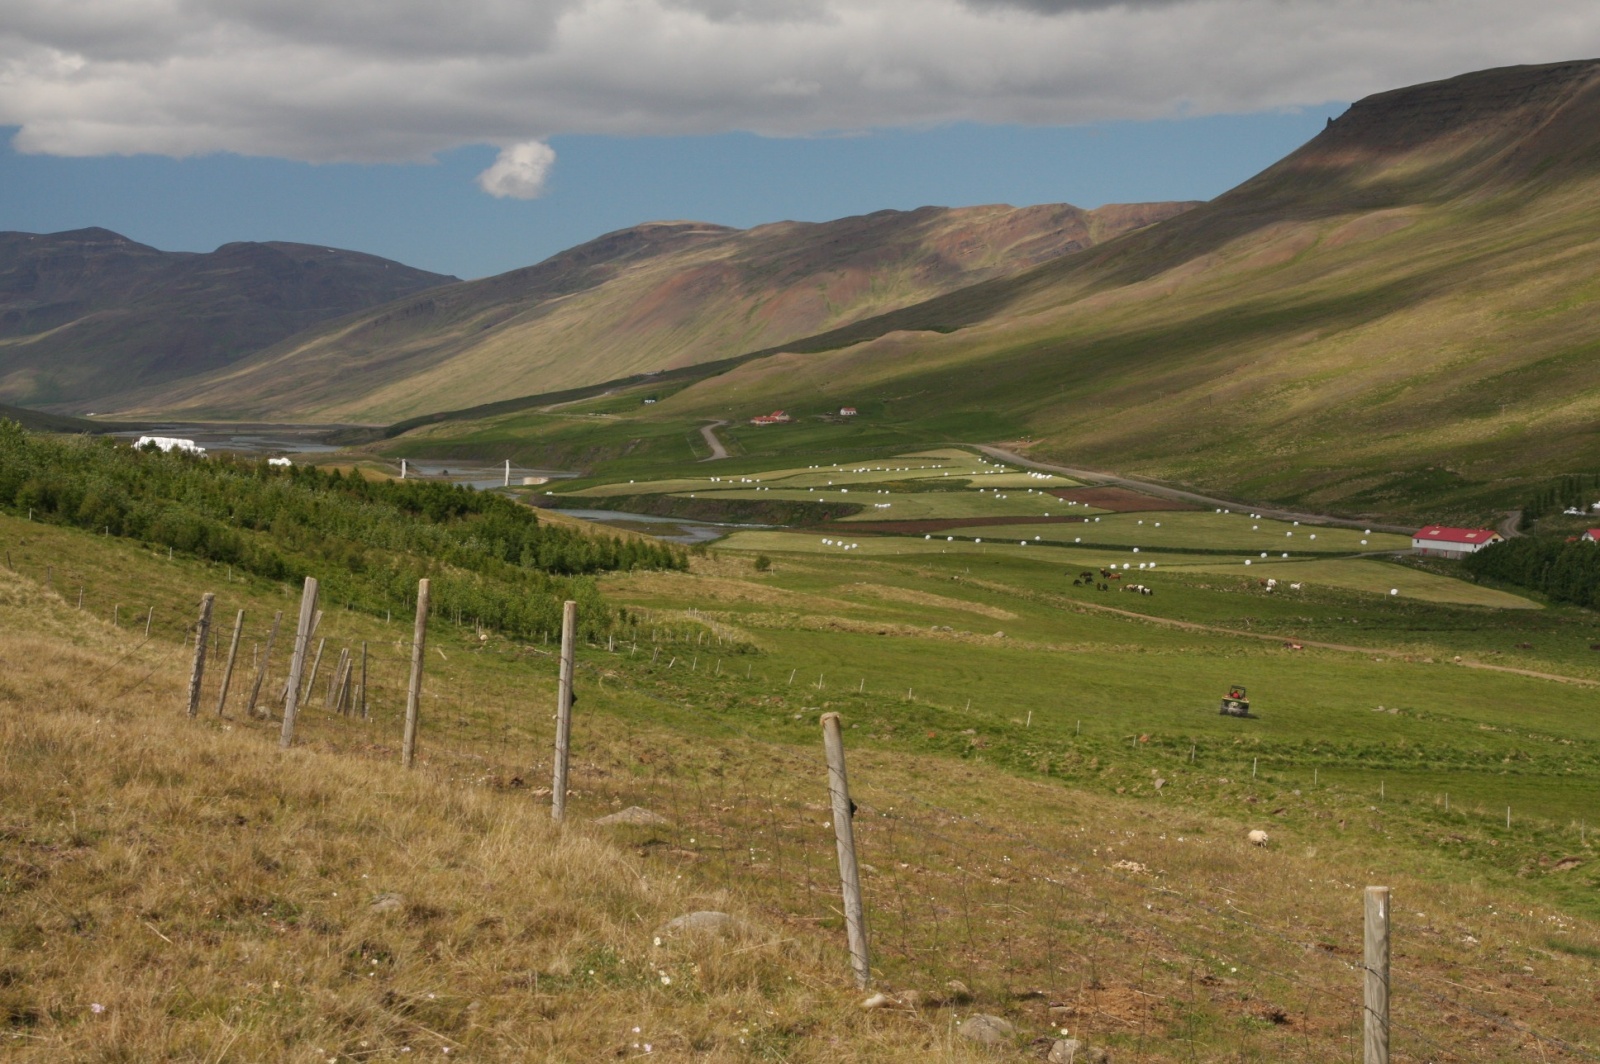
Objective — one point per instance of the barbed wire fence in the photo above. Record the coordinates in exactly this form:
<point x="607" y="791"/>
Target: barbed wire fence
<point x="963" y="907"/>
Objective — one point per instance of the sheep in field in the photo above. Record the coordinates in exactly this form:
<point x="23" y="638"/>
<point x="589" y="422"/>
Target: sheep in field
<point x="1257" y="837"/>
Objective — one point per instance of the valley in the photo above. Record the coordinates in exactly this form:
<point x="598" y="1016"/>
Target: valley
<point x="1028" y="500"/>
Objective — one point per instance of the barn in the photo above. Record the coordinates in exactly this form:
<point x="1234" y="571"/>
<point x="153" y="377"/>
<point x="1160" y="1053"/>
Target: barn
<point x="1444" y="542"/>
<point x="1591" y="535"/>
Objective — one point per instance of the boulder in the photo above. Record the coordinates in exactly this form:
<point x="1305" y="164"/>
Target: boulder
<point x="987" y="1030"/>
<point x="388" y="903"/>
<point x="1072" y="1051"/>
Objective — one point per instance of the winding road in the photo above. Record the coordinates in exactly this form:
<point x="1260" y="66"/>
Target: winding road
<point x="710" y="434"/>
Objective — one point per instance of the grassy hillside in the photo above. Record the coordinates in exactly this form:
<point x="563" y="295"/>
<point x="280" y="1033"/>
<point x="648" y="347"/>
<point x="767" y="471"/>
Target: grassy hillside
<point x="1051" y="821"/>
<point x="1398" y="319"/>
<point x="87" y="316"/>
<point x="643" y="300"/>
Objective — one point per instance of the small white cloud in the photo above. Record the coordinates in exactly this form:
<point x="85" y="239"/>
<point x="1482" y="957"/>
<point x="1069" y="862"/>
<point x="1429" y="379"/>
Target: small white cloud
<point x="519" y="172"/>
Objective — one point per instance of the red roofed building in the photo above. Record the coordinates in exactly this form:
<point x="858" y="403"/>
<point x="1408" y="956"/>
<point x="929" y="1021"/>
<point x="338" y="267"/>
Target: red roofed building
<point x="777" y="417"/>
<point x="1445" y="542"/>
<point x="1592" y="536"/>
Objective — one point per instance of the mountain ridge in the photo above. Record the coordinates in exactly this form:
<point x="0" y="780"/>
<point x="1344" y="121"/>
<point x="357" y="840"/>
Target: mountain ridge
<point x="655" y="297"/>
<point x="88" y="314"/>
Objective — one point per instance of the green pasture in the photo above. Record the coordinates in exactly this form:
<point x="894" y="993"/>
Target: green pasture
<point x="1208" y="531"/>
<point x="995" y="657"/>
<point x="900" y="470"/>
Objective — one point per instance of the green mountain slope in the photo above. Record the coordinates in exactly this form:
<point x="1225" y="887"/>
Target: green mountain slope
<point x="652" y="298"/>
<point x="87" y="315"/>
<point x="1400" y="315"/>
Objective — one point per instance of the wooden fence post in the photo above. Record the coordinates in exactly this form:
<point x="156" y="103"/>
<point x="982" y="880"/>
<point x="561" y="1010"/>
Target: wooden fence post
<point x="333" y="681"/>
<point x="233" y="653"/>
<point x="363" y="679"/>
<point x="419" y="637"/>
<point x="261" y="669"/>
<point x="844" y="835"/>
<point x="202" y="627"/>
<point x="297" y="663"/>
<point x="316" y="663"/>
<point x="1375" y="1034"/>
<point x="558" y="786"/>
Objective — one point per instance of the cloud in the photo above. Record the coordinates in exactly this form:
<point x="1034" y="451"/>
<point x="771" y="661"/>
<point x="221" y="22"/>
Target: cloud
<point x="519" y="171"/>
<point x="402" y="80"/>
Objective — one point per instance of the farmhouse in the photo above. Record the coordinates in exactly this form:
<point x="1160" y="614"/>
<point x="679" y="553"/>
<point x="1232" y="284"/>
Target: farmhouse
<point x="777" y="417"/>
<point x="1591" y="535"/>
<point x="847" y="411"/>
<point x="1442" y="542"/>
<point x="170" y="444"/>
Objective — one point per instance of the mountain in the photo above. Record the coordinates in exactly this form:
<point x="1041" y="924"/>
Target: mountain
<point x="655" y="297"/>
<point x="87" y="315"/>
<point x="1402" y="314"/>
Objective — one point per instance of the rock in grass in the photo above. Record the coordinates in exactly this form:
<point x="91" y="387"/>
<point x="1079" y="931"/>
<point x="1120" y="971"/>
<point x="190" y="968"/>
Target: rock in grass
<point x="635" y="815"/>
<point x="388" y="903"/>
<point x="987" y="1030"/>
<point x="1072" y="1051"/>
<point x="705" y="922"/>
<point x="878" y="1001"/>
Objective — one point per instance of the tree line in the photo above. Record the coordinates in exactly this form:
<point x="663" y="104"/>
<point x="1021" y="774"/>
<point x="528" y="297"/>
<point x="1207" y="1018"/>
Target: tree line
<point x="1566" y="571"/>
<point x="369" y="541"/>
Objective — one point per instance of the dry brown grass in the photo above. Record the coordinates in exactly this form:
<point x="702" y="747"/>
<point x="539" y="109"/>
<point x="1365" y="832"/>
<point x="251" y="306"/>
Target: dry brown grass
<point x="181" y="890"/>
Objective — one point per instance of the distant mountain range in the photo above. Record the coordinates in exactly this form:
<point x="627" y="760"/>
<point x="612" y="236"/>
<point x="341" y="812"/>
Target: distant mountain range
<point x="89" y="316"/>
<point x="653" y="297"/>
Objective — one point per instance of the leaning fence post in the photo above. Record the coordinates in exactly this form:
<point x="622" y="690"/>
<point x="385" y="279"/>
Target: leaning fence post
<point x="233" y="653"/>
<point x="558" y="785"/>
<point x="297" y="663"/>
<point x="419" y="636"/>
<point x="1375" y="1035"/>
<point x="261" y="670"/>
<point x="844" y="835"/>
<point x="363" y="679"/>
<point x="198" y="672"/>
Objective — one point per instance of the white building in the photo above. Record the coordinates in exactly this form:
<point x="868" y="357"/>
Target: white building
<point x="170" y="444"/>
<point x="1442" y="542"/>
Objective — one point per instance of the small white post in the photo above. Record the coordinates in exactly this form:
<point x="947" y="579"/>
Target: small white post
<point x="508" y="473"/>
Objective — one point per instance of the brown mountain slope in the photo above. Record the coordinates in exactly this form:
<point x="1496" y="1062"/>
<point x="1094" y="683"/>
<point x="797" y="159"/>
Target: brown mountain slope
<point x="89" y="314"/>
<point x="654" y="297"/>
<point x="1400" y="314"/>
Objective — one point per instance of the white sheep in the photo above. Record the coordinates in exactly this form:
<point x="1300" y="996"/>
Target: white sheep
<point x="1257" y="837"/>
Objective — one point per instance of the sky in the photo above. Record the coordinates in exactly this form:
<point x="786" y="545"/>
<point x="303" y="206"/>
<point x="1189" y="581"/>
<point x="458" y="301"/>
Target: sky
<point x="474" y="136"/>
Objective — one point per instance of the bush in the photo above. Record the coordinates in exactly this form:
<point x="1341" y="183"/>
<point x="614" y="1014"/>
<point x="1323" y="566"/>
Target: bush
<point x="763" y="563"/>
<point x="489" y="558"/>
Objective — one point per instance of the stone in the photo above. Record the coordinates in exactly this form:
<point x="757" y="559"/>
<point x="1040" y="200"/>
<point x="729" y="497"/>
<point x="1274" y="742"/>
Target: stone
<point x="388" y="903"/>
<point x="1066" y="1051"/>
<point x="878" y="1001"/>
<point x="704" y="922"/>
<point x="987" y="1030"/>
<point x="635" y="815"/>
<point x="958" y="991"/>
<point x="913" y="999"/>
